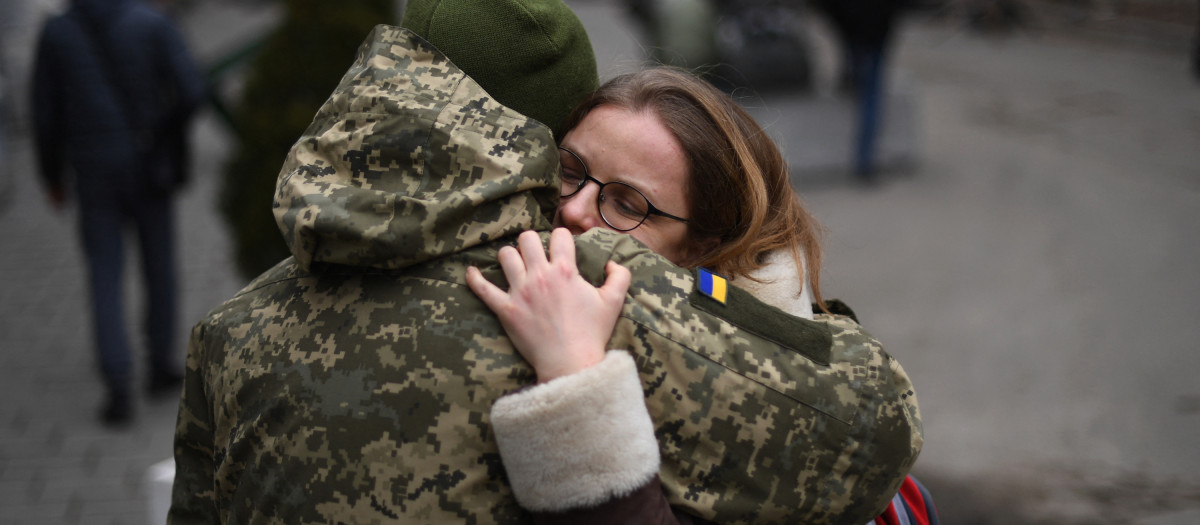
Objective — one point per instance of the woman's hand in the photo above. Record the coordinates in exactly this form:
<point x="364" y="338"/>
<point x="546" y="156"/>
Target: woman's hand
<point x="557" y="320"/>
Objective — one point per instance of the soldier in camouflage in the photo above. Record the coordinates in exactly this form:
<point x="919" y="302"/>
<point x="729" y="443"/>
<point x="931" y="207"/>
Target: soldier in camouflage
<point x="352" y="383"/>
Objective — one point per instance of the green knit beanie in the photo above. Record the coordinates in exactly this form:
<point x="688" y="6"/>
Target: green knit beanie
<point x="533" y="56"/>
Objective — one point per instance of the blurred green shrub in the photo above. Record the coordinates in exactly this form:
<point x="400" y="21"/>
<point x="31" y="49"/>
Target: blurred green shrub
<point x="297" y="68"/>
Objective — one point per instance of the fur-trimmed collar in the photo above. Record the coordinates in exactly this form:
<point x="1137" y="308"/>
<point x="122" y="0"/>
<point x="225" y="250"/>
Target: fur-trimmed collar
<point x="780" y="286"/>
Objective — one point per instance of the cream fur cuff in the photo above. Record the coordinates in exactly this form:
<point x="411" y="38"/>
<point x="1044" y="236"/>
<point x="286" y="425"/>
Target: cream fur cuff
<point x="579" y="440"/>
<point x="780" y="285"/>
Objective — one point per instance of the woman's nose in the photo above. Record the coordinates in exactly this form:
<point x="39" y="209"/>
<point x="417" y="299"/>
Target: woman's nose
<point x="578" y="212"/>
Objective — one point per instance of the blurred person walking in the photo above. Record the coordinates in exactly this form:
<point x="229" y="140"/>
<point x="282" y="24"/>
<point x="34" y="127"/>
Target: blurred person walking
<point x="113" y="91"/>
<point x="864" y="30"/>
<point x="1196" y="45"/>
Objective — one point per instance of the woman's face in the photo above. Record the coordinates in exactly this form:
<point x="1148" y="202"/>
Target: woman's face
<point x="615" y="144"/>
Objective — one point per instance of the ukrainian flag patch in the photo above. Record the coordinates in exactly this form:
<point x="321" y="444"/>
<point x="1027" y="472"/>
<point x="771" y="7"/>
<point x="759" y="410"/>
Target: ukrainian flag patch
<point x="711" y="284"/>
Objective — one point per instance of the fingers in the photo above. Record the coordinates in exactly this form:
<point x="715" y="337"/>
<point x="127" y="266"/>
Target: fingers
<point x="513" y="265"/>
<point x="531" y="250"/>
<point x="528" y="256"/>
<point x="490" y="294"/>
<point x="562" y="246"/>
<point x="616" y="281"/>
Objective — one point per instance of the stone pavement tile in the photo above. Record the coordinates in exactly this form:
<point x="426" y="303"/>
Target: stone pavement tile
<point x="132" y="462"/>
<point x="45" y="310"/>
<point x="19" y="484"/>
<point x="57" y="406"/>
<point x="48" y="483"/>
<point x="16" y="488"/>
<point x="116" y="494"/>
<point x="27" y="514"/>
<point x="16" y="415"/>
<point x="80" y="510"/>
<point x="40" y="438"/>
<point x="114" y="513"/>
<point x="1171" y="518"/>
<point x="68" y="485"/>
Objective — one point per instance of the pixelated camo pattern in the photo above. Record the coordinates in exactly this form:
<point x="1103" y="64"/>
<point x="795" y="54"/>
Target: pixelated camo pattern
<point x="358" y="391"/>
<point x="406" y="151"/>
<point x="751" y="432"/>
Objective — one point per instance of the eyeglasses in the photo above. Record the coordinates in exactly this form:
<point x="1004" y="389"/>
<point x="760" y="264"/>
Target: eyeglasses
<point x="621" y="206"/>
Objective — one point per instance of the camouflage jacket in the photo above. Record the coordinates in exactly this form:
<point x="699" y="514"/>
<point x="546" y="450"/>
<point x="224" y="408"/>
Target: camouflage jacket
<point x="352" y="382"/>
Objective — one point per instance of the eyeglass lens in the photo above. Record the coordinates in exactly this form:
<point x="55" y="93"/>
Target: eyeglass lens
<point x="621" y="206"/>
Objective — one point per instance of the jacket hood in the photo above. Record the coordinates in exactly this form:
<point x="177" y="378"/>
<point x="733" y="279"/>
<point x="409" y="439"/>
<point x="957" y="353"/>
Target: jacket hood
<point x="410" y="159"/>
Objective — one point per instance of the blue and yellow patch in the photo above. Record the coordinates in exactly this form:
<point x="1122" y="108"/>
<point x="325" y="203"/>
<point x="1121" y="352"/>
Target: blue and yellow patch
<point x="711" y="284"/>
<point x="811" y="339"/>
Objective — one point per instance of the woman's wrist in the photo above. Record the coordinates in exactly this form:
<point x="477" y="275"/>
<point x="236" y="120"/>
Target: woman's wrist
<point x="570" y="361"/>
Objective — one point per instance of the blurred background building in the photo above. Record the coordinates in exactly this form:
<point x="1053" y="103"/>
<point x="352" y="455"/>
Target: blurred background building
<point x="1024" y="251"/>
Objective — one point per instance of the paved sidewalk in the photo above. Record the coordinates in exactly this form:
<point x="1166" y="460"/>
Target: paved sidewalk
<point x="58" y="465"/>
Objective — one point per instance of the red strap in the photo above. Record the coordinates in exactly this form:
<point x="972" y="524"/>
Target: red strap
<point x="915" y="500"/>
<point x="888" y="517"/>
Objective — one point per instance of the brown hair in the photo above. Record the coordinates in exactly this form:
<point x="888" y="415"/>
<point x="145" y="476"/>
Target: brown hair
<point x="739" y="190"/>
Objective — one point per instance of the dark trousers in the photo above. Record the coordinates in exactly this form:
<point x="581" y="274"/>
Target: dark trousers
<point x="866" y="64"/>
<point x="103" y="223"/>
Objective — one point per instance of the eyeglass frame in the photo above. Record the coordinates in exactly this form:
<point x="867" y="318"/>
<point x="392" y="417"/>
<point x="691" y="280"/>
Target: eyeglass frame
<point x="651" y="209"/>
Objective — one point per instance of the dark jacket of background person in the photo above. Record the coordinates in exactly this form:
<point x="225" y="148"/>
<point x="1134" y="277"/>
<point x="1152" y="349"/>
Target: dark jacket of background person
<point x="1196" y="46"/>
<point x="104" y="135"/>
<point x="113" y="89"/>
<point x="353" y="382"/>
<point x="867" y="22"/>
